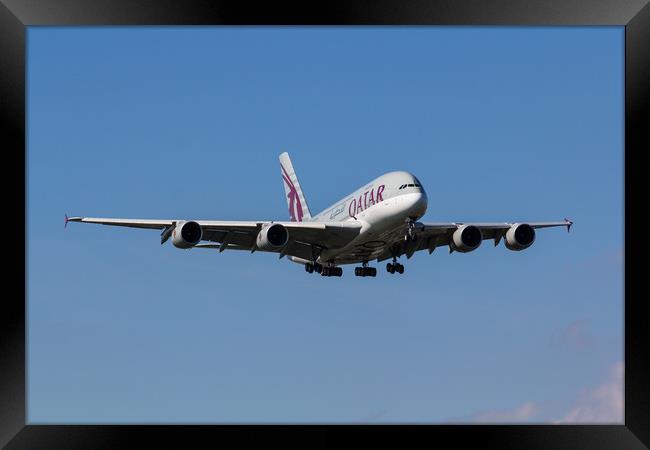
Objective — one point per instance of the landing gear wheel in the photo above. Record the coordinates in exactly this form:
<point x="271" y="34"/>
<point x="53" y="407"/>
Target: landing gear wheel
<point x="399" y="268"/>
<point x="390" y="268"/>
<point x="368" y="271"/>
<point x="318" y="268"/>
<point x="309" y="268"/>
<point x="365" y="271"/>
<point x="332" y="271"/>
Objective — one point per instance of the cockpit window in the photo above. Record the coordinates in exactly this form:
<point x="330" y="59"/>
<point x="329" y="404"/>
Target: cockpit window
<point x="417" y="185"/>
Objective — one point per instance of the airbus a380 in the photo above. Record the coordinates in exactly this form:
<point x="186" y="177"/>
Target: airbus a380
<point x="379" y="221"/>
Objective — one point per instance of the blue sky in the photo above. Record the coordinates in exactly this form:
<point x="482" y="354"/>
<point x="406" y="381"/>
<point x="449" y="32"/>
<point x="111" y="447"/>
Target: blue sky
<point x="499" y="124"/>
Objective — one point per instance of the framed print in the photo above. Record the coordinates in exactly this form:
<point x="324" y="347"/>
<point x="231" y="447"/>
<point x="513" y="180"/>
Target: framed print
<point x="528" y="110"/>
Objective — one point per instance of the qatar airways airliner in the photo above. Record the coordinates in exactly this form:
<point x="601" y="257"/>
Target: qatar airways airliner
<point x="378" y="221"/>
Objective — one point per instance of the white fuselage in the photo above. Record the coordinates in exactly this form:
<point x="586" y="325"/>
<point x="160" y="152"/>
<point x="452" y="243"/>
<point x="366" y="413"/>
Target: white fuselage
<point x="383" y="207"/>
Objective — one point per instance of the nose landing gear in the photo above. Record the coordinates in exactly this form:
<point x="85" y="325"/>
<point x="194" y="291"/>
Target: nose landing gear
<point x="394" y="267"/>
<point x="410" y="232"/>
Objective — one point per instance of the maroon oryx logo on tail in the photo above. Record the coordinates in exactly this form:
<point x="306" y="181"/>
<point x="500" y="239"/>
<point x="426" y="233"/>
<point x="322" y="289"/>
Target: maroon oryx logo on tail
<point x="295" y="208"/>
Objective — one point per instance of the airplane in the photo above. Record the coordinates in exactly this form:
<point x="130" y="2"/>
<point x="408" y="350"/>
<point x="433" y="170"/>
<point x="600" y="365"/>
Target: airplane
<point x="379" y="221"/>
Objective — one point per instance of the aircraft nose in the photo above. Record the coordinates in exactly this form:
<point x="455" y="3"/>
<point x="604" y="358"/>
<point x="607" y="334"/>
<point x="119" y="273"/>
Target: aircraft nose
<point x="422" y="203"/>
<point x="418" y="204"/>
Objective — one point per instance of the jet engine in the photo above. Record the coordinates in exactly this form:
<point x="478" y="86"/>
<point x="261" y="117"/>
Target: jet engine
<point x="520" y="236"/>
<point x="272" y="237"/>
<point x="466" y="238"/>
<point x="187" y="234"/>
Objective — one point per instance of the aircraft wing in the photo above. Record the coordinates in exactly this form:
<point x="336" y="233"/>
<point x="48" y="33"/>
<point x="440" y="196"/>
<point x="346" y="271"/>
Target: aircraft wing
<point x="432" y="235"/>
<point x="304" y="237"/>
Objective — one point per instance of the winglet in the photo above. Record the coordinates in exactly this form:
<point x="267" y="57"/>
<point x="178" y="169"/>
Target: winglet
<point x="65" y="225"/>
<point x="568" y="224"/>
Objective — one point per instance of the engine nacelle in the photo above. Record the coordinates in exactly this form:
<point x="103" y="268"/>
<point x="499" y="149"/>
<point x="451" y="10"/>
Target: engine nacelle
<point x="520" y="236"/>
<point x="272" y="237"/>
<point x="187" y="234"/>
<point x="467" y="238"/>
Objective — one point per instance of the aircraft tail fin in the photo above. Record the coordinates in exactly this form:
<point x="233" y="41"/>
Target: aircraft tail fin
<point x="298" y="209"/>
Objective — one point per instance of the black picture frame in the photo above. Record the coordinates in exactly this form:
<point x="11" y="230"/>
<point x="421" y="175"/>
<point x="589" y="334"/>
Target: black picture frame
<point x="16" y="15"/>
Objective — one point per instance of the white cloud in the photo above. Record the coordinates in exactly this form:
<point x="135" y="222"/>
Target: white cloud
<point x="602" y="404"/>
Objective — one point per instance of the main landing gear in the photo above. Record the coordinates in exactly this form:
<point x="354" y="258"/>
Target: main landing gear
<point x="332" y="271"/>
<point x="394" y="267"/>
<point x="365" y="271"/>
<point x="310" y="268"/>
<point x="327" y="271"/>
